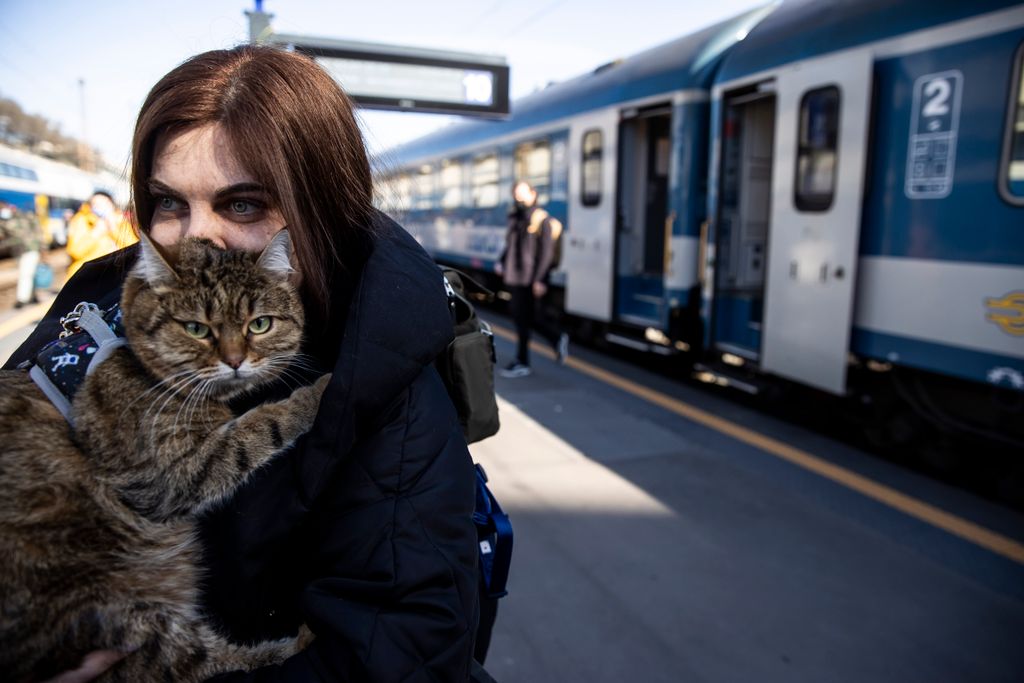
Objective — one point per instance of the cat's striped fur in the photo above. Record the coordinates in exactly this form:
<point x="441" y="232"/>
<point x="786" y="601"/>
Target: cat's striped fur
<point x="97" y="537"/>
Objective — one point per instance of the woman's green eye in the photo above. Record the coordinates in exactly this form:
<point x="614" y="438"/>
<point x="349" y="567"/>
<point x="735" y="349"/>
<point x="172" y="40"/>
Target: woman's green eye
<point x="197" y="330"/>
<point x="260" y="325"/>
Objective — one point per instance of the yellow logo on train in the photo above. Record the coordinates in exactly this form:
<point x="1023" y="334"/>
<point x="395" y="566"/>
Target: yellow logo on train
<point x="1008" y="312"/>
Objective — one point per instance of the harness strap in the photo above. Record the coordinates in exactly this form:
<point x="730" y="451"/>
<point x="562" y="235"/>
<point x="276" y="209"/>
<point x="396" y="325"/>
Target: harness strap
<point x="88" y="339"/>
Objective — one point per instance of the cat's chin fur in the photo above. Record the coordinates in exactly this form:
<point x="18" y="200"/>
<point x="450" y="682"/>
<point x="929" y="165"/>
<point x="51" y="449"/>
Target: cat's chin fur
<point x="232" y="388"/>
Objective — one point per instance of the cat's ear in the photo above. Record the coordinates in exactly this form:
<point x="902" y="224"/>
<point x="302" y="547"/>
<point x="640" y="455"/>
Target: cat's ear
<point x="277" y="257"/>
<point x="152" y="266"/>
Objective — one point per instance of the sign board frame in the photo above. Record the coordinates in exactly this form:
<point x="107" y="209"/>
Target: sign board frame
<point x="495" y="66"/>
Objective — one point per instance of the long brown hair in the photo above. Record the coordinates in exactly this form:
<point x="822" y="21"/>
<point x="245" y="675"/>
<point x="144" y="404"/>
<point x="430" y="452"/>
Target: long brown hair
<point x="293" y="128"/>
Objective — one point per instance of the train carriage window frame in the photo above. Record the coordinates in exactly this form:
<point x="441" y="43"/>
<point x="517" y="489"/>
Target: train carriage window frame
<point x="1011" y="188"/>
<point x="532" y="161"/>
<point x="592" y="158"/>
<point x="484" y="181"/>
<point x="816" y="149"/>
<point x="451" y="183"/>
<point x="424" y="178"/>
<point x="403" y="191"/>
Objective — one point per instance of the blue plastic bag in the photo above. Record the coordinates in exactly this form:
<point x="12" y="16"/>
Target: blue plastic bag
<point x="43" y="276"/>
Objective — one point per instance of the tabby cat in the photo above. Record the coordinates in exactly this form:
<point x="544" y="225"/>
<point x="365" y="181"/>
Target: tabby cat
<point x="98" y="543"/>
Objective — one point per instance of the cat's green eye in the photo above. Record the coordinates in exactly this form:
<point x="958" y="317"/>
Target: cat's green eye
<point x="197" y="330"/>
<point x="260" y="325"/>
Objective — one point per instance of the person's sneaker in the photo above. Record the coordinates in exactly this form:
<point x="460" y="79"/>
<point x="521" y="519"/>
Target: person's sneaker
<point x="516" y="369"/>
<point x="562" y="349"/>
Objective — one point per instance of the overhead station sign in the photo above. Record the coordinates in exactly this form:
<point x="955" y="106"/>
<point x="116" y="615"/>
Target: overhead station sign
<point x="396" y="77"/>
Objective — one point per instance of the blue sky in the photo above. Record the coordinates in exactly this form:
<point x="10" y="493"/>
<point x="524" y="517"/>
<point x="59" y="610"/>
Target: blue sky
<point x="121" y="48"/>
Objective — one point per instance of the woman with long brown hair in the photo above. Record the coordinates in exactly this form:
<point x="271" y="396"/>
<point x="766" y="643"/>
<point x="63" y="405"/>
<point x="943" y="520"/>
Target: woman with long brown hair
<point x="364" y="530"/>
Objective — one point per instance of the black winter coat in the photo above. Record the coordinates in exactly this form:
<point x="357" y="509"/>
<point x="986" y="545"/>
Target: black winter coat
<point x="364" y="529"/>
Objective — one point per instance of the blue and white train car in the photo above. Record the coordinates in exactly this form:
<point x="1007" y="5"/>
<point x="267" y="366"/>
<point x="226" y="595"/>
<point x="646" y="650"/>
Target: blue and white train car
<point x="618" y="155"/>
<point x="34" y="183"/>
<point x="820" y="190"/>
<point x="866" y="198"/>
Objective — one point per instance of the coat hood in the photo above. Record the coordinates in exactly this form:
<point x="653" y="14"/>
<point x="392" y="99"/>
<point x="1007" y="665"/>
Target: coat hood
<point x="398" y="322"/>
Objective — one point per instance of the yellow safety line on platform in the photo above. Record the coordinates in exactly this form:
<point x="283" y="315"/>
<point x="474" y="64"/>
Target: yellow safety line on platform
<point x="22" y="318"/>
<point x="969" y="531"/>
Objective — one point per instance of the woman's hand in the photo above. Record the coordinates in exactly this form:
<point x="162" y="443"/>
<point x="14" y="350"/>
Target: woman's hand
<point x="93" y="665"/>
<point x="539" y="289"/>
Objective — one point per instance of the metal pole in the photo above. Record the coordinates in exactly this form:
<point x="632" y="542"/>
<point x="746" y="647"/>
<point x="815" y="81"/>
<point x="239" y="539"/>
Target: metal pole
<point x="259" y="24"/>
<point x="84" y="160"/>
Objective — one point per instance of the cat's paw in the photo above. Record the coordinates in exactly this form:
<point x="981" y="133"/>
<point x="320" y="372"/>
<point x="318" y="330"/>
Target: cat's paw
<point x="321" y="384"/>
<point x="304" y="639"/>
<point x="307" y="399"/>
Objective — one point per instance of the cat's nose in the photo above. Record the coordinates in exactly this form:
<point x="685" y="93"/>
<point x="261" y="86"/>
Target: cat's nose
<point x="234" y="361"/>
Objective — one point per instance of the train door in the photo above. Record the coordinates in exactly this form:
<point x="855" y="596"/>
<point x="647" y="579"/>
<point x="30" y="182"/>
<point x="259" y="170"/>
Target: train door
<point x="821" y="138"/>
<point x="588" y="243"/>
<point x="644" y="163"/>
<point x="741" y="246"/>
<point x="645" y="151"/>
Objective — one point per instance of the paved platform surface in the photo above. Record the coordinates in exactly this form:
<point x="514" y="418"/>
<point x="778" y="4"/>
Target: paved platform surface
<point x="16" y="324"/>
<point x="651" y="548"/>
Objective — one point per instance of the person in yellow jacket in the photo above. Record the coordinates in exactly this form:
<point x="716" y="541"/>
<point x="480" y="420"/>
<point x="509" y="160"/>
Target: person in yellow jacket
<point x="97" y="230"/>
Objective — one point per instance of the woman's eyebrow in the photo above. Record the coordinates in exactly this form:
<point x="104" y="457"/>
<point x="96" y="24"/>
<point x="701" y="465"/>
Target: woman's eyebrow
<point x="238" y="188"/>
<point x="157" y="187"/>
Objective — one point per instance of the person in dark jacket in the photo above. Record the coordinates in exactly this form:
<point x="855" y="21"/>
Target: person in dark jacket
<point x="25" y="238"/>
<point x="363" y="530"/>
<point x="525" y="266"/>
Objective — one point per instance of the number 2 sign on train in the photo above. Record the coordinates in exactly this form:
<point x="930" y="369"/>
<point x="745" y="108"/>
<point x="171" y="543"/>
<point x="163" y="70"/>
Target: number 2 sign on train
<point x="827" y="194"/>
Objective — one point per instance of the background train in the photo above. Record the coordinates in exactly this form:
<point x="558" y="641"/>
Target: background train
<point x="50" y="188"/>
<point x="827" y="193"/>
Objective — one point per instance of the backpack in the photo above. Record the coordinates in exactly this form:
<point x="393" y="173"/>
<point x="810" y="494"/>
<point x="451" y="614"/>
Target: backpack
<point x="537" y="219"/>
<point x="467" y="365"/>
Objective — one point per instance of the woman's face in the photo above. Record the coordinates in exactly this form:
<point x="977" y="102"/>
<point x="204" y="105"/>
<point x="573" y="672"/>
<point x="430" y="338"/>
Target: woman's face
<point x="200" y="189"/>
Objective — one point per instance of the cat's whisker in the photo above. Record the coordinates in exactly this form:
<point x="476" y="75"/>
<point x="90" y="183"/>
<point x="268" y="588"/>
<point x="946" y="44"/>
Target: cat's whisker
<point x="197" y="396"/>
<point x="175" y="390"/>
<point x="198" y="402"/>
<point x="171" y="388"/>
<point x="158" y="386"/>
<point x="160" y="401"/>
<point x="291" y="378"/>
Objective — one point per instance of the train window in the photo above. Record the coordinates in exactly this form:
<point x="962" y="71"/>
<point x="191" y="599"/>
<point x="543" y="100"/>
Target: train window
<point x="403" y="192"/>
<point x="816" y="149"/>
<point x="391" y="193"/>
<point x="485" y="181"/>
<point x="424" y="196"/>
<point x="593" y="148"/>
<point x="451" y="184"/>
<point x="12" y="171"/>
<point x="1012" y="168"/>
<point x="382" y="192"/>
<point x="533" y="164"/>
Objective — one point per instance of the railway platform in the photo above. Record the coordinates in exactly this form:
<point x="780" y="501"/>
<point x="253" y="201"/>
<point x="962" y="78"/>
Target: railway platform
<point x="664" y="533"/>
<point x="16" y="324"/>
